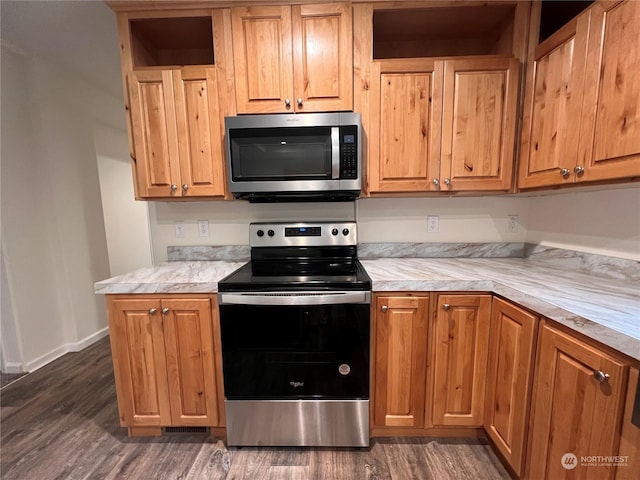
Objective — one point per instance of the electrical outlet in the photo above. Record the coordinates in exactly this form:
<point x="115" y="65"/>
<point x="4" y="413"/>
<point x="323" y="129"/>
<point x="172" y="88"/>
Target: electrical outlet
<point x="180" y="229"/>
<point x="203" y="228"/>
<point x="512" y="223"/>
<point x="432" y="224"/>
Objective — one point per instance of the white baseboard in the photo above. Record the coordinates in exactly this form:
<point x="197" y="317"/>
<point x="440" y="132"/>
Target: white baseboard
<point x="13" y="367"/>
<point x="49" y="357"/>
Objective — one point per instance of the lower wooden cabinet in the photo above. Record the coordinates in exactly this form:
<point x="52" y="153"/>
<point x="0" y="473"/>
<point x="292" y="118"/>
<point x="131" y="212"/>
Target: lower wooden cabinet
<point x="577" y="409"/>
<point x="164" y="360"/>
<point x="460" y="340"/>
<point x="509" y="374"/>
<point x="400" y="360"/>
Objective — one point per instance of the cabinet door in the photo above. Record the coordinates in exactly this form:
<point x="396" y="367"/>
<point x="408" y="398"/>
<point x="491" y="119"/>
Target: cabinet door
<point x="190" y="362"/>
<point x="572" y="411"/>
<point x="610" y="139"/>
<point x="479" y="124"/>
<point x="263" y="59"/>
<point x="137" y="345"/>
<point x="553" y="105"/>
<point x="154" y="133"/>
<point x="323" y="57"/>
<point x="509" y="373"/>
<point x="461" y="341"/>
<point x="401" y="348"/>
<point x="199" y="131"/>
<point x="405" y="130"/>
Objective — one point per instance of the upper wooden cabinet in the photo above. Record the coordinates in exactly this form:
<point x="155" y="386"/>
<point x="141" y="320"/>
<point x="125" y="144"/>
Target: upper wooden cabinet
<point x="177" y="132"/>
<point x="400" y="360"/>
<point x="293" y="58"/>
<point x="440" y="115"/>
<point x="577" y="408"/>
<point x="175" y="72"/>
<point x="582" y="101"/>
<point x="460" y="340"/>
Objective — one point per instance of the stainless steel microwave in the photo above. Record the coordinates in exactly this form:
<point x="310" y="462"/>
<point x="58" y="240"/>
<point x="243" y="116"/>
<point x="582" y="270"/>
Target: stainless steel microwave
<point x="294" y="157"/>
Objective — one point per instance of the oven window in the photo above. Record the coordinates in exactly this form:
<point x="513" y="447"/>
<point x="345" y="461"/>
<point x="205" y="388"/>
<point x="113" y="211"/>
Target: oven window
<point x="295" y="352"/>
<point x="272" y="154"/>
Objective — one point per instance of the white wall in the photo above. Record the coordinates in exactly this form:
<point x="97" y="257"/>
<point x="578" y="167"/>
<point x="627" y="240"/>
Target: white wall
<point x="53" y="230"/>
<point x="126" y="221"/>
<point x="604" y="222"/>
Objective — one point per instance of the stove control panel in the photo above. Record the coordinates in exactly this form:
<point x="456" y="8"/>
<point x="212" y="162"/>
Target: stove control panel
<point x="302" y="234"/>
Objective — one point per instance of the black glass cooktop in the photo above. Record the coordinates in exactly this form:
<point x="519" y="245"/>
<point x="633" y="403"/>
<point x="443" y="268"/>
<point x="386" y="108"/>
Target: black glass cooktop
<point x="350" y="276"/>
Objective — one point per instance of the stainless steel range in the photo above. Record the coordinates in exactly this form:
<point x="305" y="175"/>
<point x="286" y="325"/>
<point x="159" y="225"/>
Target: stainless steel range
<point x="295" y="338"/>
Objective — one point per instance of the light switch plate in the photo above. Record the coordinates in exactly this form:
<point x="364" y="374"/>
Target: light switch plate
<point x="433" y="224"/>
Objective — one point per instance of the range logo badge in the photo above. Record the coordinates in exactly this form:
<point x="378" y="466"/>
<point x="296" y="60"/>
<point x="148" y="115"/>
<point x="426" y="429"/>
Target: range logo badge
<point x="296" y="384"/>
<point x="344" y="369"/>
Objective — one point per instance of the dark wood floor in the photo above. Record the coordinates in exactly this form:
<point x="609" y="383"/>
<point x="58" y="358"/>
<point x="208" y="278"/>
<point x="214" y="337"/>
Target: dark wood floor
<point x="7" y="378"/>
<point x="61" y="422"/>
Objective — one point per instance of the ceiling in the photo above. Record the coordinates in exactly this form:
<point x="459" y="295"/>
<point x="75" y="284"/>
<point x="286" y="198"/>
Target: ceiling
<point x="77" y="35"/>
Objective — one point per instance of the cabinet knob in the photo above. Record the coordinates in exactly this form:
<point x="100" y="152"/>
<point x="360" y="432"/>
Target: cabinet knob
<point x="447" y="182"/>
<point x="384" y="309"/>
<point x="174" y="188"/>
<point x="287" y="102"/>
<point x="436" y="182"/>
<point x="565" y="172"/>
<point x="165" y="310"/>
<point x="600" y="376"/>
<point x="185" y="187"/>
<point x="152" y="311"/>
<point x="299" y="102"/>
<point x="578" y="169"/>
<point x="446" y="306"/>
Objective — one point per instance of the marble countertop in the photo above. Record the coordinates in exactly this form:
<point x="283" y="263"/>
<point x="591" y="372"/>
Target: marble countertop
<point x="602" y="308"/>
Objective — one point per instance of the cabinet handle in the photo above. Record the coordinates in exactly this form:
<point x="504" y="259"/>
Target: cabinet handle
<point x="447" y="182"/>
<point x="600" y="376"/>
<point x="436" y="182"/>
<point x="565" y="172"/>
<point x="152" y="311"/>
<point x="446" y="306"/>
<point x="185" y="187"/>
<point x="384" y="309"/>
<point x="299" y="102"/>
<point x="287" y="102"/>
<point x="579" y="170"/>
<point x="174" y="188"/>
<point x="165" y="310"/>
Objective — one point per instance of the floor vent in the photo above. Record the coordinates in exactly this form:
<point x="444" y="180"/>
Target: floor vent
<point x="185" y="430"/>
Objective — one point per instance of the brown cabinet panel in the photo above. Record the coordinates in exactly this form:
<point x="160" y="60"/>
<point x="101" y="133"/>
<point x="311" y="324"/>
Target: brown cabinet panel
<point x="154" y="133"/>
<point x="199" y="130"/>
<point x="293" y="58"/>
<point x="630" y="433"/>
<point x="137" y="345"/>
<point x="262" y="58"/>
<point x="165" y="362"/>
<point x="509" y="373"/>
<point x="190" y="362"/>
<point x="460" y="343"/>
<point x="323" y="57"/>
<point x="552" y="109"/>
<point x="400" y="360"/>
<point x="573" y="411"/>
<point x="405" y="130"/>
<point x="478" y="123"/>
<point x="610" y="137"/>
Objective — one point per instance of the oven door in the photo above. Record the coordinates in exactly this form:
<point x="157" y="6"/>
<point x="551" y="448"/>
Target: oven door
<point x="311" y="345"/>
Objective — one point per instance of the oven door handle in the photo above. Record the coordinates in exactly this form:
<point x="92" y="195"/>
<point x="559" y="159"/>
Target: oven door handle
<point x="294" y="298"/>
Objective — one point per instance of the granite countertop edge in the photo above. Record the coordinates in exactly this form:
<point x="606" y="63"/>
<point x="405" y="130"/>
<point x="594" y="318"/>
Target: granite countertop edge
<point x="190" y="277"/>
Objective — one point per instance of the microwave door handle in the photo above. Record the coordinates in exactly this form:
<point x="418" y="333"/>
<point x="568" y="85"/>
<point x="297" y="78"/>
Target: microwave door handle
<point x="335" y="153"/>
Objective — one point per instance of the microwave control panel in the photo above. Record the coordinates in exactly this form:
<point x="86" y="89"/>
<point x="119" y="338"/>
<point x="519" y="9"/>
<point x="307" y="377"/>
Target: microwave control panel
<point x="349" y="152"/>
